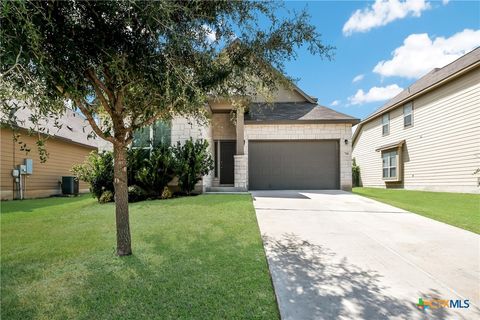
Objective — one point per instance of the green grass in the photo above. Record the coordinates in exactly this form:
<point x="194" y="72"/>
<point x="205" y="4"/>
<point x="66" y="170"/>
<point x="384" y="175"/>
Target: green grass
<point x="457" y="209"/>
<point x="194" y="258"/>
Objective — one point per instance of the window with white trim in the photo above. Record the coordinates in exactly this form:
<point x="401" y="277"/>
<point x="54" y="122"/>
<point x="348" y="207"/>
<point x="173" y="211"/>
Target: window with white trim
<point x="389" y="164"/>
<point x="152" y="136"/>
<point x="408" y="115"/>
<point x="386" y="124"/>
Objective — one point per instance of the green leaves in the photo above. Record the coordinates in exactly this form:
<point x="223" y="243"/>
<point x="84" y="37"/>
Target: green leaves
<point x="150" y="59"/>
<point x="192" y="162"/>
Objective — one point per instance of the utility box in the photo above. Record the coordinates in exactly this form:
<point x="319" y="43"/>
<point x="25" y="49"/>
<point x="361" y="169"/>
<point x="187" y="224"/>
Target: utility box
<point x="69" y="185"/>
<point x="29" y="166"/>
<point x="23" y="169"/>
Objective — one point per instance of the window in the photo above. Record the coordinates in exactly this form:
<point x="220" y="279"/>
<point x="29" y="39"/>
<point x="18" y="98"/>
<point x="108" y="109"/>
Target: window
<point x="152" y="136"/>
<point x="389" y="164"/>
<point x="386" y="124"/>
<point x="407" y="115"/>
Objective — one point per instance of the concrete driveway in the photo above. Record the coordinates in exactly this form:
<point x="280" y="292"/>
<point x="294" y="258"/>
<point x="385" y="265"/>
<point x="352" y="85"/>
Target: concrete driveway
<point x="336" y="255"/>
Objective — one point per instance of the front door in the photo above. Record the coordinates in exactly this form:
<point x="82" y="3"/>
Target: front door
<point x="227" y="151"/>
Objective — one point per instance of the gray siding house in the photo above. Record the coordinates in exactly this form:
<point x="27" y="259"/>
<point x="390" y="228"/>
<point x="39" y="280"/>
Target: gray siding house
<point x="428" y="136"/>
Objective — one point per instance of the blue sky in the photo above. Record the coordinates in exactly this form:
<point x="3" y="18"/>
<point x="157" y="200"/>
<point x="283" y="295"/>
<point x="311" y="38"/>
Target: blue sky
<point x="436" y="32"/>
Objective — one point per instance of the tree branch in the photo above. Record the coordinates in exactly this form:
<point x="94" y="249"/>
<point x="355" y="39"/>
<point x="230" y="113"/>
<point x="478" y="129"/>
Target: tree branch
<point x="92" y="122"/>
<point x="119" y="101"/>
<point x="93" y="77"/>
<point x="152" y="119"/>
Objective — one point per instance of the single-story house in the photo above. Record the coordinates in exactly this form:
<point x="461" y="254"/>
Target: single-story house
<point x="66" y="146"/>
<point x="428" y="136"/>
<point x="290" y="143"/>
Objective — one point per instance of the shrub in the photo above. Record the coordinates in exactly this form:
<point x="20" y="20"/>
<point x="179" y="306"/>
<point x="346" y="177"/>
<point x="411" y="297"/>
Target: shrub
<point x="135" y="194"/>
<point x="166" y="193"/>
<point x="97" y="170"/>
<point x="157" y="170"/>
<point x="192" y="161"/>
<point x="135" y="163"/>
<point x="107" y="196"/>
<point x="355" y="174"/>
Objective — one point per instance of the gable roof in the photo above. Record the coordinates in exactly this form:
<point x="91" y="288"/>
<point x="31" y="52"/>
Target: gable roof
<point x="296" y="112"/>
<point x="431" y="80"/>
<point x="74" y="127"/>
<point x="292" y="85"/>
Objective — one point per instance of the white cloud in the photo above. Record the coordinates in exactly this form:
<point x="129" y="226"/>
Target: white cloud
<point x="445" y="1"/>
<point x="211" y="35"/>
<point x="375" y="94"/>
<point x="383" y="12"/>
<point x="419" y="54"/>
<point x="335" y="103"/>
<point x="358" y="78"/>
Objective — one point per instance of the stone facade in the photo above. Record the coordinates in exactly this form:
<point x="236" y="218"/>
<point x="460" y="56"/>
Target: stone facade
<point x="241" y="172"/>
<point x="223" y="127"/>
<point x="341" y="132"/>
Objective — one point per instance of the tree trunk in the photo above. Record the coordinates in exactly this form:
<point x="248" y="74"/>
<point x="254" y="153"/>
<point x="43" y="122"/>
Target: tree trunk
<point x="124" y="247"/>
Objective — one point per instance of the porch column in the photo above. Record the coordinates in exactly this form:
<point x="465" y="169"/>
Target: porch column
<point x="241" y="164"/>
<point x="240" y="129"/>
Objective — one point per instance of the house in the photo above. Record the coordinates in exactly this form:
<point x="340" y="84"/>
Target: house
<point x="428" y="136"/>
<point x="292" y="143"/>
<point x="66" y="146"/>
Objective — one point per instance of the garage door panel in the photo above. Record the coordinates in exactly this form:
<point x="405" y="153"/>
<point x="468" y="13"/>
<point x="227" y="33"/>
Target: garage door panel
<point x="293" y="164"/>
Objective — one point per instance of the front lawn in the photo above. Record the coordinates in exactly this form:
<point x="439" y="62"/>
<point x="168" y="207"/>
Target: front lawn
<point x="458" y="209"/>
<point x="194" y="257"/>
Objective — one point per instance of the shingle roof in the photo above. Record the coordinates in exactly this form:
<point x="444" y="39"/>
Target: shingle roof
<point x="294" y="112"/>
<point x="75" y="128"/>
<point x="431" y="78"/>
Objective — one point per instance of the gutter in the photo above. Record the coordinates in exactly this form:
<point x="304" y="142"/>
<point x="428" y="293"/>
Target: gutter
<point x="313" y="121"/>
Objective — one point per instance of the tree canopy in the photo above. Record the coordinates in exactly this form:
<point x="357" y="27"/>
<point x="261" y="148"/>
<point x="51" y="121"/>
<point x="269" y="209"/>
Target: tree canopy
<point x="132" y="62"/>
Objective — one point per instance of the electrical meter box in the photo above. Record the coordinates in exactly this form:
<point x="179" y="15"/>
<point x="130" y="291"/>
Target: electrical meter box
<point x="29" y="166"/>
<point x="23" y="169"/>
<point x="15" y="173"/>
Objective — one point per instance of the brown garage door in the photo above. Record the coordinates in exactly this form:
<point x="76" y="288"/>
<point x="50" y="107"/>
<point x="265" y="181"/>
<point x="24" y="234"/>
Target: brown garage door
<point x="296" y="165"/>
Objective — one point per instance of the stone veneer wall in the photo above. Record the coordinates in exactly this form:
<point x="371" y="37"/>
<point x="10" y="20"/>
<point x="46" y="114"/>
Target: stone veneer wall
<point x="341" y="132"/>
<point x="223" y="127"/>
<point x="241" y="172"/>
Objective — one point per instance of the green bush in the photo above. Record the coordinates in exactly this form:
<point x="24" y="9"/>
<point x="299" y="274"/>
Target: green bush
<point x="149" y="171"/>
<point x="97" y="170"/>
<point x="355" y="174"/>
<point x="136" y="193"/>
<point x="135" y="163"/>
<point x="192" y="161"/>
<point x="107" y="196"/>
<point x="157" y="170"/>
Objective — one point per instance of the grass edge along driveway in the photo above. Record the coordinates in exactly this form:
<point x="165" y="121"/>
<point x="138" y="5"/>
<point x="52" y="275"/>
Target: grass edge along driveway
<point x="194" y="257"/>
<point x="457" y="209"/>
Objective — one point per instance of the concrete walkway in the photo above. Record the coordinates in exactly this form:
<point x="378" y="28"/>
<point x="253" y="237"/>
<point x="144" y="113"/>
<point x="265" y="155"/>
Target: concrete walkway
<point x="335" y="255"/>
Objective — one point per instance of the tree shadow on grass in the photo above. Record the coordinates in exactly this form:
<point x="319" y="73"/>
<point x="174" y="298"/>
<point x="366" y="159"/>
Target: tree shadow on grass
<point x="29" y="205"/>
<point x="311" y="282"/>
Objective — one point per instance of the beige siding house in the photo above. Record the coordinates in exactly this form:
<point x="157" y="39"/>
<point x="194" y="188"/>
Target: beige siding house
<point x="66" y="146"/>
<point x="427" y="137"/>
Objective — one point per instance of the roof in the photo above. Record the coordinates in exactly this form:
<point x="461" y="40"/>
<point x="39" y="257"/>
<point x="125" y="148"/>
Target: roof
<point x="429" y="81"/>
<point x="392" y="145"/>
<point x="74" y="127"/>
<point x="294" y="112"/>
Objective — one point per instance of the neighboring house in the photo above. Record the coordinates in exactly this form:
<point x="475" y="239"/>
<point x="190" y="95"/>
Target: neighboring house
<point x="292" y="143"/>
<point x="428" y="136"/>
<point x="66" y="146"/>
